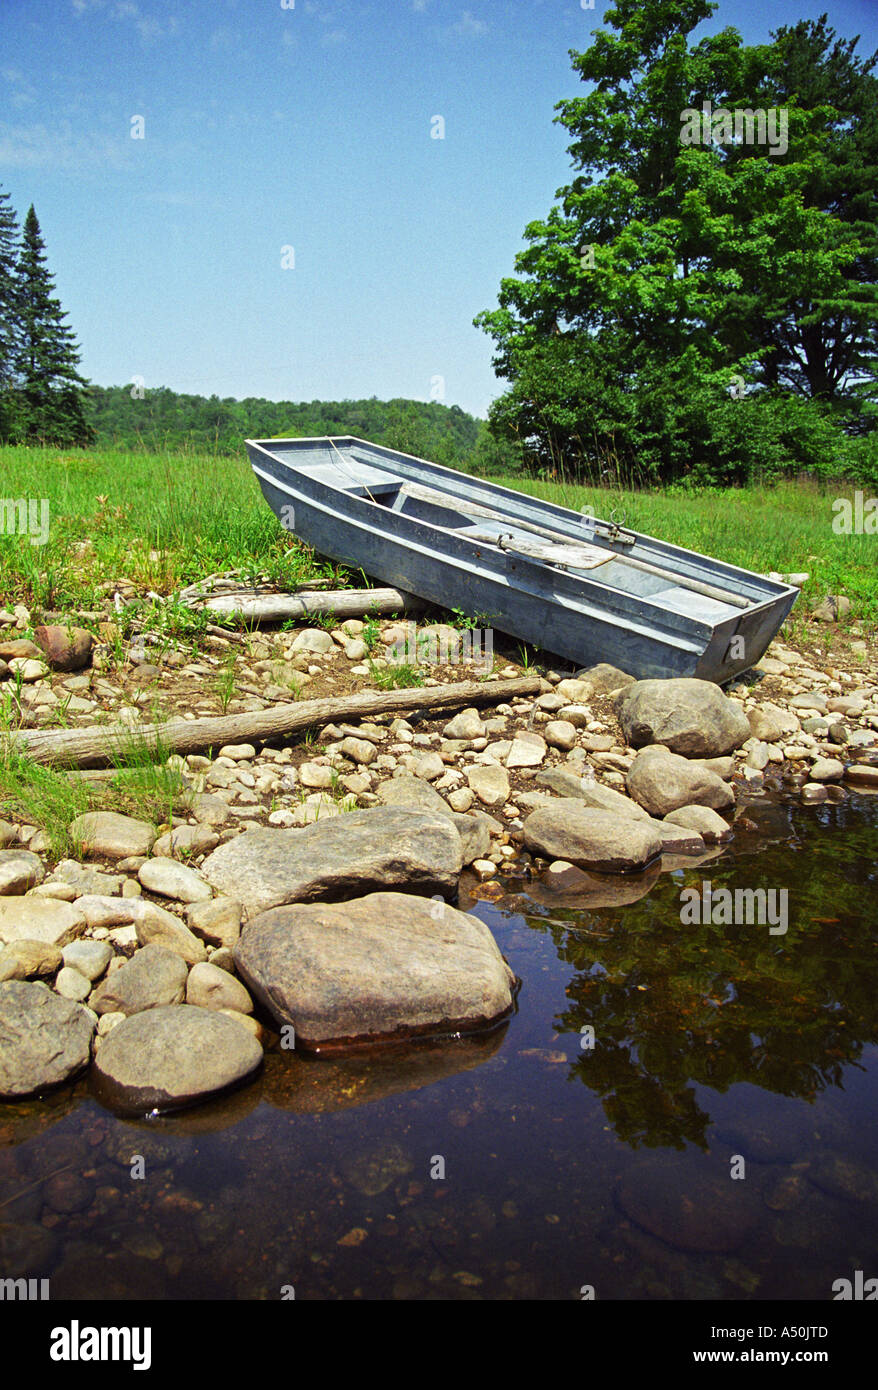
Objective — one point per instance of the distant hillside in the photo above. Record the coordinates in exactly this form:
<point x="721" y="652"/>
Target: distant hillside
<point x="165" y="419"/>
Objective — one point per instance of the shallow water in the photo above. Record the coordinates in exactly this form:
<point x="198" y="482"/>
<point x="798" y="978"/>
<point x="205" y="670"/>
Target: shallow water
<point x="565" y="1165"/>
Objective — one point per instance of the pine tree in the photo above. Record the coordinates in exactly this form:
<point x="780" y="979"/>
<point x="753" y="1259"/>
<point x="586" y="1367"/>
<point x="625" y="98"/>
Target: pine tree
<point x="52" y="392"/>
<point x="9" y="315"/>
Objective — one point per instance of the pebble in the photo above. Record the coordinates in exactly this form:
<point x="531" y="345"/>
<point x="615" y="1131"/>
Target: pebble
<point x="238" y="752"/>
<point x="560" y="733"/>
<point x="89" y="958"/>
<point x="70" y="984"/>
<point x="827" y="770"/>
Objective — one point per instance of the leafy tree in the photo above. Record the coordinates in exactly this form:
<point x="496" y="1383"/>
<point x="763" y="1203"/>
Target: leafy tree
<point x="670" y="272"/>
<point x="51" y="390"/>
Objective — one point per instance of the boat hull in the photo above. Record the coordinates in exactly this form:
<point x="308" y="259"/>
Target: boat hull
<point x="564" y="611"/>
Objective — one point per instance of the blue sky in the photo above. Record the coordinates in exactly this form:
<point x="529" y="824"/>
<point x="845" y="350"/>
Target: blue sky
<point x="309" y="128"/>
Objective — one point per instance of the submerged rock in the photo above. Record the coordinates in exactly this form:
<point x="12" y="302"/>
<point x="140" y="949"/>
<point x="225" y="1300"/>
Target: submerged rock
<point x="691" y="1203"/>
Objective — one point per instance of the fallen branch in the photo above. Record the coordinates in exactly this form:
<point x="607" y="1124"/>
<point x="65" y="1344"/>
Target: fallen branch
<point x="98" y="747"/>
<point x="344" y="603"/>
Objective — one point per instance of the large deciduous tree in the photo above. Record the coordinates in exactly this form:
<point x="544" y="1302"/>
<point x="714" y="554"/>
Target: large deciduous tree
<point x="686" y="259"/>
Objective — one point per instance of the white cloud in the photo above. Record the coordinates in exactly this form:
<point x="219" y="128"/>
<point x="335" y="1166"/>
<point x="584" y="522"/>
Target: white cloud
<point x="21" y="92"/>
<point x="59" y="146"/>
<point x="147" y="25"/>
<point x="469" y="26"/>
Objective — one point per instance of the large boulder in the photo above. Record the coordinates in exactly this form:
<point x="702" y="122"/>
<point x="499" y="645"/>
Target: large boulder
<point x="661" y="782"/>
<point x="382" y="848"/>
<point x="590" y="837"/>
<point x="43" y="1038"/>
<point x="384" y="964"/>
<point x="690" y="717"/>
<point x="173" y="1056"/>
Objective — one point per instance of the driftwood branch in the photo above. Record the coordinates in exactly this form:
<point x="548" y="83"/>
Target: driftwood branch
<point x="344" y="603"/>
<point x="100" y="747"/>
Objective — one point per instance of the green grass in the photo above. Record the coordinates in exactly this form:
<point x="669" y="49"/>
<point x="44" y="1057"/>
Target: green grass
<point x="396" y="677"/>
<point x="160" y="520"/>
<point x="148" y="784"/>
<point x="167" y="520"/>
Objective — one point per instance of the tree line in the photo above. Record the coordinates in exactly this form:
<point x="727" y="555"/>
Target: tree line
<point x="701" y="303"/>
<point x="42" y="394"/>
<point x="135" y="417"/>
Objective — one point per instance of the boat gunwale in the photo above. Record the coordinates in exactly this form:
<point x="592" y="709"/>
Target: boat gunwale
<point x="704" y="566"/>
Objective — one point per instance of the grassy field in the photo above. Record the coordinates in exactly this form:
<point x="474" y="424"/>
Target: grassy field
<point x="166" y="520"/>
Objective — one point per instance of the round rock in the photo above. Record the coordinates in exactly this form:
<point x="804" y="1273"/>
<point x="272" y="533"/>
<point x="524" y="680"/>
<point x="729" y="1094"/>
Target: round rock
<point x="173" y="1056"/>
<point x="211" y="988"/>
<point x="19" y="870"/>
<point x="111" y="836"/>
<point x="689" y="716"/>
<point x="154" y="976"/>
<point x="172" y="880"/>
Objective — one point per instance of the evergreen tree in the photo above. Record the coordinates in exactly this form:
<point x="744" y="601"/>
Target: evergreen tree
<point x="9" y="315"/>
<point x="52" y="394"/>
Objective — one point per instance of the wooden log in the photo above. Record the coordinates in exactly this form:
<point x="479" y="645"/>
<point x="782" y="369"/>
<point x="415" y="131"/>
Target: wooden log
<point x="101" y="746"/>
<point x="344" y="603"/>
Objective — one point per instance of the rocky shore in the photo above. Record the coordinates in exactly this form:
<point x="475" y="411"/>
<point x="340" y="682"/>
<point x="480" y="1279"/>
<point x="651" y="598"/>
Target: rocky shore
<point x="305" y="895"/>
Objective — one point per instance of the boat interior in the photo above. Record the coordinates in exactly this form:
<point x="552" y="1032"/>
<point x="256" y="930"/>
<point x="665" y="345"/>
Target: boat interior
<point x="524" y="543"/>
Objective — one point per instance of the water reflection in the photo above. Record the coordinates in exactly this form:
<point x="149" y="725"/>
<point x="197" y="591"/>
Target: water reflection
<point x="674" y="1007"/>
<point x="709" y="1041"/>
